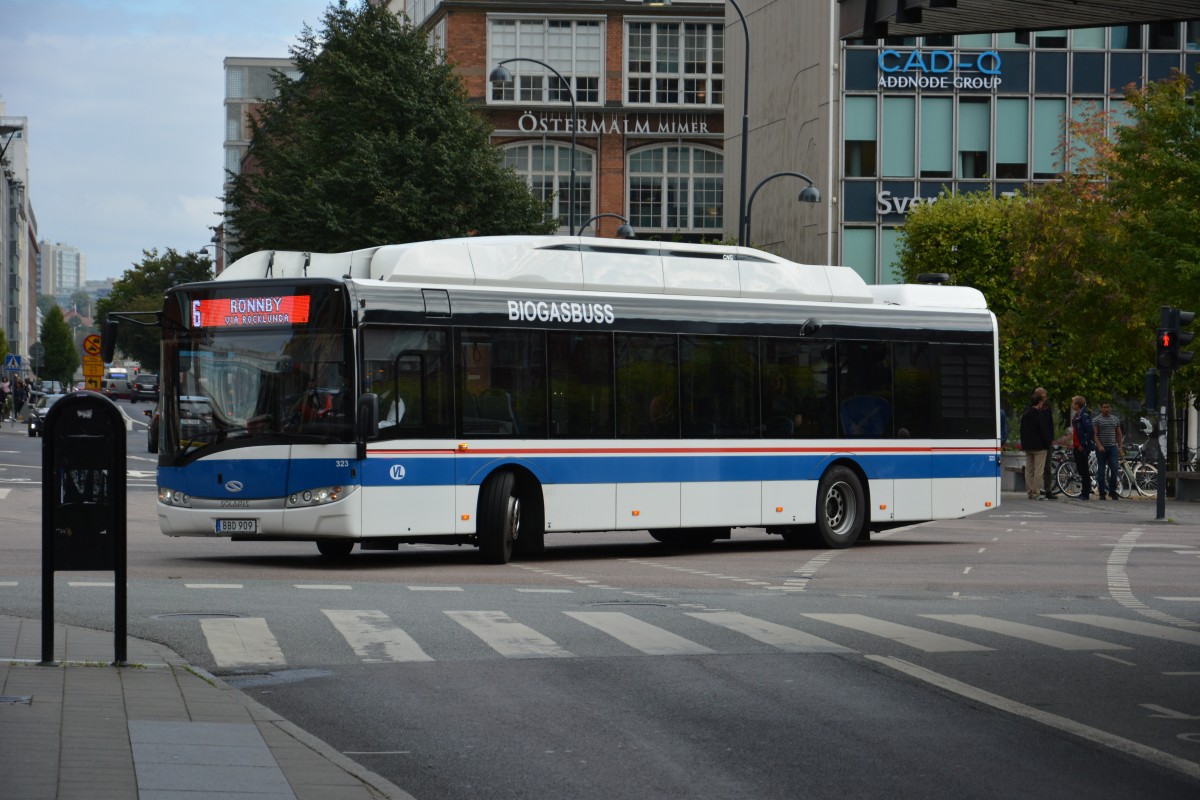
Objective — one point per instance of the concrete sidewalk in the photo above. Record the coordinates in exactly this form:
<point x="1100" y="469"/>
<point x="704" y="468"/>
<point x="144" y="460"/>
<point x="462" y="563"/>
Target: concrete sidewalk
<point x="157" y="728"/>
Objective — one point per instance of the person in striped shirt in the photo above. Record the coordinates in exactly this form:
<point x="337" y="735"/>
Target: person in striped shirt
<point x="1109" y="442"/>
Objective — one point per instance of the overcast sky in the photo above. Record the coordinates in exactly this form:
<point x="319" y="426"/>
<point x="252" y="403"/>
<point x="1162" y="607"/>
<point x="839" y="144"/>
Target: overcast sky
<point x="125" y="100"/>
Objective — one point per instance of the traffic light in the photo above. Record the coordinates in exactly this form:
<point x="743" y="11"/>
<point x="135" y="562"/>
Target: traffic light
<point x="1179" y="318"/>
<point x="1163" y="339"/>
<point x="1169" y="339"/>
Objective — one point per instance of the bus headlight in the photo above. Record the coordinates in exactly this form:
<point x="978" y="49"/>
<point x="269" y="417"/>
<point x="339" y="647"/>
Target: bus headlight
<point x="173" y="497"/>
<point x="317" y="497"/>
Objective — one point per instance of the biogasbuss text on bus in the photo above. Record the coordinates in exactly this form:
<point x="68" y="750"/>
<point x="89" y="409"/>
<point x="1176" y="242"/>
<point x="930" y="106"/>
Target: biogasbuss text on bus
<point x="492" y="390"/>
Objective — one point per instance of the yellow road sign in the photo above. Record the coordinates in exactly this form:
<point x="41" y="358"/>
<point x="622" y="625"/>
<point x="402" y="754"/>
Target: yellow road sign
<point x="91" y="384"/>
<point x="93" y="367"/>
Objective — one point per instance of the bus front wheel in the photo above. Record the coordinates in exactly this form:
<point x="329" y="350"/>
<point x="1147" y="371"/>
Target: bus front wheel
<point x="841" y="508"/>
<point x="499" y="518"/>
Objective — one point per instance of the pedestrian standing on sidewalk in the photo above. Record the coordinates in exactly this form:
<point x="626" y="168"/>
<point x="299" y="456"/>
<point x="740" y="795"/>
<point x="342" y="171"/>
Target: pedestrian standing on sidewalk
<point x="1048" y="470"/>
<point x="1035" y="441"/>
<point x="1083" y="442"/>
<point x="1109" y="441"/>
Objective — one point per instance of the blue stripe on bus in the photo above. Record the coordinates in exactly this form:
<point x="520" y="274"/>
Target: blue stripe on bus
<point x="262" y="479"/>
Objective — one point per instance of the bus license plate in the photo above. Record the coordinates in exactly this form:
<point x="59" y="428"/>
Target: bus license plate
<point x="237" y="526"/>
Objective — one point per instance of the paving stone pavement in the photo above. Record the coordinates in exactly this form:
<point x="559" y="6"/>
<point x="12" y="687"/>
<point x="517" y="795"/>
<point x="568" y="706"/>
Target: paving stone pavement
<point x="154" y="729"/>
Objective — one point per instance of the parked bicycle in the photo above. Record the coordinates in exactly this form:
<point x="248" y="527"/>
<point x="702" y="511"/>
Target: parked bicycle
<point x="1135" y="475"/>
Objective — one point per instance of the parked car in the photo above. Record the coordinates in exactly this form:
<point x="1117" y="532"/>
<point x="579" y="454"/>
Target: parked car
<point x="35" y="412"/>
<point x="145" y="387"/>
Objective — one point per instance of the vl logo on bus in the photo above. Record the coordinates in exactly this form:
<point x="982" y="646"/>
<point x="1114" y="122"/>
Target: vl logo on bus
<point x="397" y="472"/>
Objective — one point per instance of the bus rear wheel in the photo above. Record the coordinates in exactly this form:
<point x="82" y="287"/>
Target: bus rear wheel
<point x="499" y="518"/>
<point x="841" y="508"/>
<point x="335" y="548"/>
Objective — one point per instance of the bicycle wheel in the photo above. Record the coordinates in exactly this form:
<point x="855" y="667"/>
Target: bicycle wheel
<point x="1066" y="479"/>
<point x="1145" y="479"/>
<point x="1124" y="481"/>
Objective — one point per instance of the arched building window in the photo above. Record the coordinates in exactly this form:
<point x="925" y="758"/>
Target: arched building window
<point x="676" y="188"/>
<point x="547" y="169"/>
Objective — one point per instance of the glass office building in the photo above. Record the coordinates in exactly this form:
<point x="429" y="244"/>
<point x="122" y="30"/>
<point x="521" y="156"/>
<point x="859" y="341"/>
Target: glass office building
<point x="976" y="113"/>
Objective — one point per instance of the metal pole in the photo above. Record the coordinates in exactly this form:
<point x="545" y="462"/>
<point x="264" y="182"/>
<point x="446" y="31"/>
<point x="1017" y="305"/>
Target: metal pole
<point x="1164" y="387"/>
<point x="742" y="226"/>
<point x="574" y="128"/>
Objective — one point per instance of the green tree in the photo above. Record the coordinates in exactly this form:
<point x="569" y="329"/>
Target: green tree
<point x="1082" y="264"/>
<point x="1154" y="177"/>
<point x="141" y="289"/>
<point x="376" y="142"/>
<point x="45" y="302"/>
<point x="62" y="357"/>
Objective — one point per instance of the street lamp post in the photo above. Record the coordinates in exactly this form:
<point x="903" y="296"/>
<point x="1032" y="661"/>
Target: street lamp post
<point x="809" y="194"/>
<point x="743" y="222"/>
<point x="624" y="231"/>
<point x="502" y="75"/>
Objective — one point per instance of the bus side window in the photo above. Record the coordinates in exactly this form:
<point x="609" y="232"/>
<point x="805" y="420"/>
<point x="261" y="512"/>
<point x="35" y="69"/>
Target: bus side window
<point x="408" y="368"/>
<point x="865" y="389"/>
<point x="647" y="386"/>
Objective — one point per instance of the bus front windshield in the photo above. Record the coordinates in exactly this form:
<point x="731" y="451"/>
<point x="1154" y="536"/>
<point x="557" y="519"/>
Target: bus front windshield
<point x="255" y="385"/>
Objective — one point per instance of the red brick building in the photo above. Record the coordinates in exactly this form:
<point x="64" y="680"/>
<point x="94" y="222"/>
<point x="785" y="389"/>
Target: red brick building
<point x="648" y="85"/>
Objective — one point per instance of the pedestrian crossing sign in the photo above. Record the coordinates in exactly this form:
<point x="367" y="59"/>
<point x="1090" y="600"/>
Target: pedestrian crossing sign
<point x="12" y="363"/>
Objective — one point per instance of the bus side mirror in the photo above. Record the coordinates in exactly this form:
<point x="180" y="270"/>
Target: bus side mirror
<point x="108" y="341"/>
<point x="367" y="421"/>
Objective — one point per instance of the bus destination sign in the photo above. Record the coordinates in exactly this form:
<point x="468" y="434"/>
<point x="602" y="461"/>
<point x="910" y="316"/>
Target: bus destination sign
<point x="250" y="312"/>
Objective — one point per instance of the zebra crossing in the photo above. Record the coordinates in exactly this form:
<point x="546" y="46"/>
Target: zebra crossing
<point x="372" y="636"/>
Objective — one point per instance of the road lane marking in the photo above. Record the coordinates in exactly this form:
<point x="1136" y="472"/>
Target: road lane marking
<point x="1167" y="713"/>
<point x="1118" y="581"/>
<point x="903" y="634"/>
<point x="1030" y="633"/>
<point x="508" y="638"/>
<point x="242" y="642"/>
<point x="547" y="591"/>
<point x="334" y="586"/>
<point x="1118" y="743"/>
<point x="649" y="639"/>
<point x="1134" y="626"/>
<point x="782" y="637"/>
<point x="1114" y="658"/>
<point x="92" y="584"/>
<point x="8" y="583"/>
<point x="212" y="586"/>
<point x="1180" y="599"/>
<point x="373" y="637"/>
<point x="435" y="588"/>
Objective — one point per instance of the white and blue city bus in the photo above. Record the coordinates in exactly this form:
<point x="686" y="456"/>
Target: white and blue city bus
<point x="489" y="391"/>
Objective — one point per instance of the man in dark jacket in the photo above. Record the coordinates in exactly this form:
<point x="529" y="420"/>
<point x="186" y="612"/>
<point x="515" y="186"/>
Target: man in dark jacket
<point x="1083" y="440"/>
<point x="1036" y="437"/>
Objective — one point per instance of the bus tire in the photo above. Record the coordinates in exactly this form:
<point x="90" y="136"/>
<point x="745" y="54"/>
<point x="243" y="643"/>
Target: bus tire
<point x="335" y="549"/>
<point x="499" y="518"/>
<point x="841" y="508"/>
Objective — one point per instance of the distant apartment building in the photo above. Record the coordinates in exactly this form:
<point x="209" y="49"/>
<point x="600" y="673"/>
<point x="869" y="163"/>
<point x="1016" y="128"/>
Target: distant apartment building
<point x="248" y="82"/>
<point x="18" y="239"/>
<point x="63" y="270"/>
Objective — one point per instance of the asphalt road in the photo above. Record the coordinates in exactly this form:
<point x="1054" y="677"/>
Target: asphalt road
<point x="1041" y="650"/>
